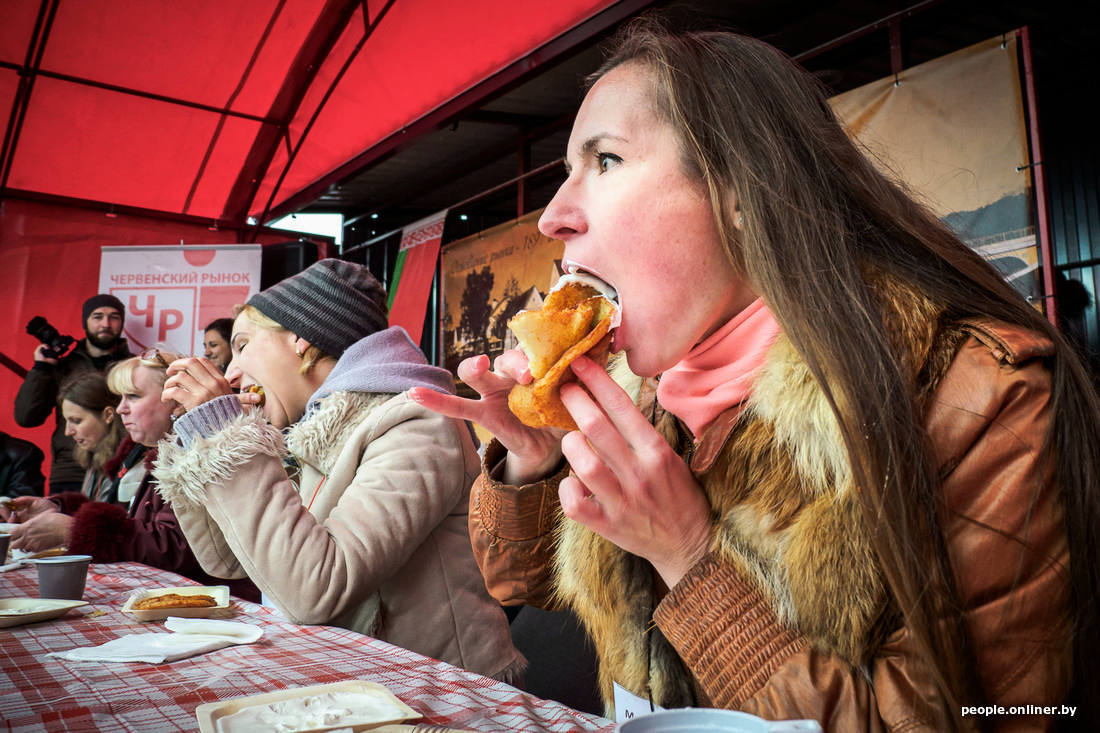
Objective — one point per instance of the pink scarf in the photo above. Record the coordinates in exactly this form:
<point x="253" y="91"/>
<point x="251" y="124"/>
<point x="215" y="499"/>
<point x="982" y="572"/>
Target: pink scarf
<point x="718" y="373"/>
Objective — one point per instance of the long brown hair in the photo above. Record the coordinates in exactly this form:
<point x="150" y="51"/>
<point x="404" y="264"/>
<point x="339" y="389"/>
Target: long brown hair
<point x="817" y="216"/>
<point x="89" y="390"/>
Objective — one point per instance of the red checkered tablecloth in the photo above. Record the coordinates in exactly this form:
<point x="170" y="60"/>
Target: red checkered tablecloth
<point x="40" y="693"/>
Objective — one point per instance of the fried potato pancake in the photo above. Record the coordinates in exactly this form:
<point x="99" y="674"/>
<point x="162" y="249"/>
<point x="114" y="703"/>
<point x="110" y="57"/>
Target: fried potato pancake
<point x="573" y="320"/>
<point x="174" y="600"/>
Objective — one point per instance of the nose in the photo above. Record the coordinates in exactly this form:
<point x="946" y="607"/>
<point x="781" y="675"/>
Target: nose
<point x="70" y="431"/>
<point x="233" y="374"/>
<point x="123" y="407"/>
<point x="563" y="218"/>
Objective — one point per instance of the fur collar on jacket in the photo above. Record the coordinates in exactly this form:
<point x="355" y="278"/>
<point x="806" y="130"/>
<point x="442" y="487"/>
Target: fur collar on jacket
<point x="787" y="516"/>
<point x="320" y="438"/>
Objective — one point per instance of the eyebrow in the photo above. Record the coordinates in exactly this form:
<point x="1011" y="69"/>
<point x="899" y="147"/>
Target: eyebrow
<point x="592" y="144"/>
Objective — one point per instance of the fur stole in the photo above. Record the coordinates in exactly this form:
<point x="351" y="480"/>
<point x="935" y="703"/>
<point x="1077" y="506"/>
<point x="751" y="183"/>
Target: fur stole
<point x="787" y="516"/>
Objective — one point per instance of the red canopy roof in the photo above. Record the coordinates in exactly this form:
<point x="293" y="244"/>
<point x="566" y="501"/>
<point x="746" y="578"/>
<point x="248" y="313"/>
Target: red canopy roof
<point x="226" y="109"/>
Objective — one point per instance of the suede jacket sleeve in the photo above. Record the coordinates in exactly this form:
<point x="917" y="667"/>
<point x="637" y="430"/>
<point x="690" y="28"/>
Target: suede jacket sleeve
<point x="511" y="529"/>
<point x="1004" y="530"/>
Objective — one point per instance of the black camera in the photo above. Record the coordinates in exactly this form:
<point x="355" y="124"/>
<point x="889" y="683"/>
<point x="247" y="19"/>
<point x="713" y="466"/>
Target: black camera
<point x="56" y="344"/>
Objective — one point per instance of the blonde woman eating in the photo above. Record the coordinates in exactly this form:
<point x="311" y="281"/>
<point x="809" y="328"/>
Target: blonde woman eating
<point x="369" y="530"/>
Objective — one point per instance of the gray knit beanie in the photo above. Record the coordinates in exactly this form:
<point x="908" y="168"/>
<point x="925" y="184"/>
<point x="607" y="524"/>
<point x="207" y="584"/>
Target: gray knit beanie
<point x="332" y="304"/>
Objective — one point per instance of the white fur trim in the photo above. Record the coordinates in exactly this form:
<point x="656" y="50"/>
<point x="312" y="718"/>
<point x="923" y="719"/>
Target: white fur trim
<point x="320" y="439"/>
<point x="183" y="474"/>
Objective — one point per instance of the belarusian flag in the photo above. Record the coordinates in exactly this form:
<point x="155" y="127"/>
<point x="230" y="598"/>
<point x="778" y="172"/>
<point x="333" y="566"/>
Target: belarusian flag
<point x="413" y="273"/>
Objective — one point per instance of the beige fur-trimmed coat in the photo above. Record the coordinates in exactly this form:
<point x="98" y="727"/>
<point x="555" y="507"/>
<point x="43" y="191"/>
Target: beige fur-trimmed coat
<point x="789" y="615"/>
<point x="373" y="535"/>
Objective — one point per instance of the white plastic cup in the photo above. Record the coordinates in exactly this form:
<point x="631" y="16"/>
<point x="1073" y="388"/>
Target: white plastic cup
<point x="63" y="576"/>
<point x="707" y="720"/>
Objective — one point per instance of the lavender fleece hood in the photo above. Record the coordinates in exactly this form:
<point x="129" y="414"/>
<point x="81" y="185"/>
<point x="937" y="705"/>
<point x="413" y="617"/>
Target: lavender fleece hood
<point x="386" y="362"/>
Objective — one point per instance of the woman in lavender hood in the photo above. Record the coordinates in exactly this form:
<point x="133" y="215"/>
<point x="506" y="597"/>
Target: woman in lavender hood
<point x="342" y="499"/>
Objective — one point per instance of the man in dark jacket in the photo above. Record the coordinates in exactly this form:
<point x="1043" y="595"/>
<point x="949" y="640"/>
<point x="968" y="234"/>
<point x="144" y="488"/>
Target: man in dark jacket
<point x="103" y="316"/>
<point x="20" y="467"/>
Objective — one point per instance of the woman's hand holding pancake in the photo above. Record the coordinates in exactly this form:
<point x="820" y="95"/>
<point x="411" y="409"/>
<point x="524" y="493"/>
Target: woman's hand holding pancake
<point x="628" y="485"/>
<point x="533" y="453"/>
<point x="194" y="380"/>
<point x="23" y="508"/>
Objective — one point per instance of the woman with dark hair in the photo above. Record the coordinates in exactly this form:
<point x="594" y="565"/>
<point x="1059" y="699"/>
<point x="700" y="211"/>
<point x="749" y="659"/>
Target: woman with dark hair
<point x="369" y="531"/>
<point x="91" y="420"/>
<point x="867" y="489"/>
<point x="215" y="341"/>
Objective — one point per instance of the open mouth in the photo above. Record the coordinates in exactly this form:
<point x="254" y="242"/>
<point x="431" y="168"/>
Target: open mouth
<point x="576" y="273"/>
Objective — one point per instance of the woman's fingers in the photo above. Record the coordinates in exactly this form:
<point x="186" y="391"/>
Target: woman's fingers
<point x="513" y="365"/>
<point x="614" y="429"/>
<point x="24" y="508"/>
<point x="475" y="373"/>
<point x="43" y="532"/>
<point x="614" y="402"/>
<point x="532" y="453"/>
<point x="593" y="472"/>
<point x="629" y="485"/>
<point x="446" y="404"/>
<point x="194" y="380"/>
<point x="580" y="505"/>
<point x="198" y="367"/>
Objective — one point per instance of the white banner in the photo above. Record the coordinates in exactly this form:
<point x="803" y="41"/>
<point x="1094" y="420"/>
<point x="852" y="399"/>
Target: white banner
<point x="172" y="292"/>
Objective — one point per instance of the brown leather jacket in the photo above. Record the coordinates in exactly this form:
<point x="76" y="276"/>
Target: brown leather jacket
<point x="737" y="636"/>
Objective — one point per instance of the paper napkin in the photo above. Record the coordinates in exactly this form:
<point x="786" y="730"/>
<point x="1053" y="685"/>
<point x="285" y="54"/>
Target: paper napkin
<point x="189" y="637"/>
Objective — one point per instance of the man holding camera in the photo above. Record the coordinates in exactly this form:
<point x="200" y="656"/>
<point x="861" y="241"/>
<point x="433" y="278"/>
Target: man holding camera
<point x="103" y="316"/>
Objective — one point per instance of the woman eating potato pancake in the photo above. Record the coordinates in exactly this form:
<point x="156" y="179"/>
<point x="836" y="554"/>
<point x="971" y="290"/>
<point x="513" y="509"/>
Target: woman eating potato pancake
<point x="867" y="491"/>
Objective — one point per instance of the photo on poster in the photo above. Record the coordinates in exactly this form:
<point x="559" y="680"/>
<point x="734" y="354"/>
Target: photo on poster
<point x="952" y="131"/>
<point x="487" y="279"/>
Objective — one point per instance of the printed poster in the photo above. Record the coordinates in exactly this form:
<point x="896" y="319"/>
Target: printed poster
<point x="489" y="277"/>
<point x="172" y="292"/>
<point x="953" y="131"/>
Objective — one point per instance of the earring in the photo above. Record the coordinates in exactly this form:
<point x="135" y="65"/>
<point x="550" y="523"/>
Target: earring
<point x="300" y="352"/>
<point x="738" y="221"/>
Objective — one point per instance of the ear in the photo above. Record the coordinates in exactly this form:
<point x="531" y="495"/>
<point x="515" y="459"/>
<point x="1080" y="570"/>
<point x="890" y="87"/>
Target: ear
<point x="300" y="346"/>
<point x="108" y="414"/>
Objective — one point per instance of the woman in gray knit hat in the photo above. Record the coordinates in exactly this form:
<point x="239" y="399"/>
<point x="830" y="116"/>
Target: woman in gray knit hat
<point x="372" y="533"/>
